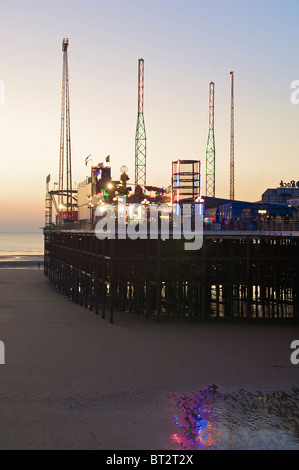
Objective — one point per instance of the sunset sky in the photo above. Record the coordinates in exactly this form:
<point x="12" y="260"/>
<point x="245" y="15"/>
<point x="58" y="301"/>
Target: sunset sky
<point x="185" y="45"/>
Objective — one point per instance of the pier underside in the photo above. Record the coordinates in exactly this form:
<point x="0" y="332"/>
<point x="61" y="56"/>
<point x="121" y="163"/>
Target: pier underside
<point x="244" y="276"/>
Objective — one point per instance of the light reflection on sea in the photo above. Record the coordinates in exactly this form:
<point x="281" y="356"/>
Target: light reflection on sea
<point x="16" y="244"/>
<point x="243" y="420"/>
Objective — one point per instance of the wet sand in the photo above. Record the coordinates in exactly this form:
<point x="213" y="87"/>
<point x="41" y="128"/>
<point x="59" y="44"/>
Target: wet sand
<point x="74" y="381"/>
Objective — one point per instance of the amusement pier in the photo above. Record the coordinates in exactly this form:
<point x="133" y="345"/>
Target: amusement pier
<point x="246" y="266"/>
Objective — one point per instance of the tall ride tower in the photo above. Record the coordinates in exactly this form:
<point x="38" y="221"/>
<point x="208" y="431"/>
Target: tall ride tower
<point x="232" y="142"/>
<point x="140" y="140"/>
<point x="210" y="152"/>
<point x="65" y="141"/>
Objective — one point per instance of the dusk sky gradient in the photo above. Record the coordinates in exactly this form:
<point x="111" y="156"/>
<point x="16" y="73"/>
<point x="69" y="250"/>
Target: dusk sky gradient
<point x="185" y="45"/>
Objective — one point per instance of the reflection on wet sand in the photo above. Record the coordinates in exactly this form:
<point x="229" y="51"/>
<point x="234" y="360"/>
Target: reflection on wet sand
<point x="242" y="420"/>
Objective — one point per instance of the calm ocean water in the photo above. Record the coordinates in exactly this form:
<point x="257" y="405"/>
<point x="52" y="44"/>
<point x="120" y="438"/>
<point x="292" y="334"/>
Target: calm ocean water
<point x="21" y="243"/>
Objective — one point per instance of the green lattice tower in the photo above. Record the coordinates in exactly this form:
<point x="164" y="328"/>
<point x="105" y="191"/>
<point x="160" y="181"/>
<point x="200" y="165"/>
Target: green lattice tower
<point x="210" y="152"/>
<point x="140" y="140"/>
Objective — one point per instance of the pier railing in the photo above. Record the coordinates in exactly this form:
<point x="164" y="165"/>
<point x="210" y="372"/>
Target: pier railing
<point x="267" y="226"/>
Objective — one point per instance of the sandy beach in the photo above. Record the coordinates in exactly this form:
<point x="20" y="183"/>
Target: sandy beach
<point x="72" y="380"/>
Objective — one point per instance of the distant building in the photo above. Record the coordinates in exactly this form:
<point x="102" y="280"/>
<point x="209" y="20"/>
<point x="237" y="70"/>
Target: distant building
<point x="246" y="211"/>
<point x="84" y="193"/>
<point x="294" y="202"/>
<point x="219" y="210"/>
<point x="282" y="195"/>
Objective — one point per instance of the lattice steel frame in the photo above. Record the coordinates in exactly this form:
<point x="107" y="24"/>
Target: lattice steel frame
<point x="65" y="137"/>
<point x="253" y="274"/>
<point x="48" y="204"/>
<point x="210" y="152"/>
<point x="140" y="140"/>
<point x="232" y="142"/>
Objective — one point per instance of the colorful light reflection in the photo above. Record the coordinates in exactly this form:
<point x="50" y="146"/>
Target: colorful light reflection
<point x="197" y="423"/>
<point x="240" y="420"/>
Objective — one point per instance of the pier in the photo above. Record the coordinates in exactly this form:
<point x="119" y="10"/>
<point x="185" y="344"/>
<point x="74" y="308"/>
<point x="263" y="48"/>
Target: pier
<point x="235" y="275"/>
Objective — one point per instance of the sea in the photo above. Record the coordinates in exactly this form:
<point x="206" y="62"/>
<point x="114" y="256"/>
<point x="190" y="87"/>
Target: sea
<point x="21" y="250"/>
